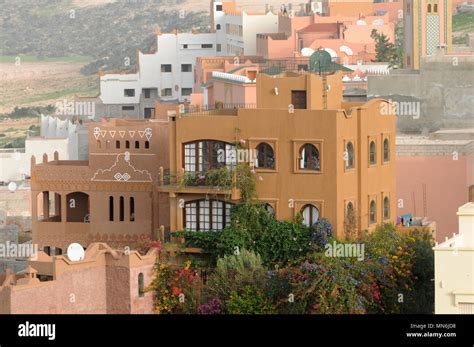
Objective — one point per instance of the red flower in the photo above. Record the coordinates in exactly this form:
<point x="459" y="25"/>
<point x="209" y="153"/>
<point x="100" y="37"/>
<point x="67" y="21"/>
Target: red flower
<point x="176" y="291"/>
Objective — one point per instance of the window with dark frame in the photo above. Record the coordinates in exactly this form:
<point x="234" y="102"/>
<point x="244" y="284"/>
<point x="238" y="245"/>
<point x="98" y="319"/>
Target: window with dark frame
<point x="207" y="45"/>
<point x="372" y="154"/>
<point x="111" y="208"/>
<point x="201" y="156"/>
<point x="309" y="158"/>
<point x="298" y="99"/>
<point x="186" y="91"/>
<point x="207" y="215"/>
<point x="372" y="212"/>
<point x="165" y="67"/>
<point x="386" y="208"/>
<point x="349" y="155"/>
<point x="132" y="209"/>
<point x="310" y="214"/>
<point x="386" y="150"/>
<point x="147" y="92"/>
<point x="265" y="156"/>
<point x="186" y="68"/>
<point x="129" y="92"/>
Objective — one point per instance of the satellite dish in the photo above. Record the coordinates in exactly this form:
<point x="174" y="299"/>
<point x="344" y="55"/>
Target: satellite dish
<point x="378" y="21"/>
<point x="361" y="22"/>
<point x="12" y="187"/>
<point x="346" y="49"/>
<point x="306" y="52"/>
<point x="75" y="252"/>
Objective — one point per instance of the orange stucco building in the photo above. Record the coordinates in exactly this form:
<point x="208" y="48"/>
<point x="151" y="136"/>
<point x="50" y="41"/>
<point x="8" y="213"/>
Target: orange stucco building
<point x="109" y="198"/>
<point x="312" y="154"/>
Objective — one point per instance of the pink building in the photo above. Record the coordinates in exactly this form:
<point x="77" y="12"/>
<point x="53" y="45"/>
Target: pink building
<point x="435" y="175"/>
<point x="105" y="281"/>
<point x="346" y="38"/>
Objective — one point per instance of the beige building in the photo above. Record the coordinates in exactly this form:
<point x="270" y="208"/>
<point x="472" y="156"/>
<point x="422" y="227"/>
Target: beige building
<point x="312" y="154"/>
<point x="454" y="267"/>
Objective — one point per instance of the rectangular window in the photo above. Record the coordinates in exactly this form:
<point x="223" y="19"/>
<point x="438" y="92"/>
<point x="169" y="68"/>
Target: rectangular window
<point x="218" y="47"/>
<point x="128" y="108"/>
<point x="191" y="216"/>
<point x="149" y="112"/>
<point x="165" y="67"/>
<point x="147" y="93"/>
<point x="219" y="8"/>
<point x="206" y="45"/>
<point x="166" y="92"/>
<point x="186" y="68"/>
<point x="186" y="91"/>
<point x="298" y="99"/>
<point x="185" y="46"/>
<point x="129" y="92"/>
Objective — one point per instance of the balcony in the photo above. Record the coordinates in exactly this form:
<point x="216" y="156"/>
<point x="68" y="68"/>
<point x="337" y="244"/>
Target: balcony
<point x="219" y="181"/>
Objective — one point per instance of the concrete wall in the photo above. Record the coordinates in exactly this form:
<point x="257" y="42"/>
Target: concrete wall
<point x="444" y="87"/>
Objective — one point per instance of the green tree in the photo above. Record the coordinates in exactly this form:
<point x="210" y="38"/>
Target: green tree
<point x="385" y="51"/>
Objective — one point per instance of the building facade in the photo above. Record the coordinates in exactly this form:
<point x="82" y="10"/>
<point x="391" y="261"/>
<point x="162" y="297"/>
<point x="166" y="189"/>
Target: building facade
<point x="454" y="292"/>
<point x="106" y="281"/>
<point x="314" y="154"/>
<point x="427" y="26"/>
<point x="109" y="198"/>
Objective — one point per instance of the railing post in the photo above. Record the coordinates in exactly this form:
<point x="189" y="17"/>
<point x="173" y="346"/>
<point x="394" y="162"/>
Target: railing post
<point x="161" y="178"/>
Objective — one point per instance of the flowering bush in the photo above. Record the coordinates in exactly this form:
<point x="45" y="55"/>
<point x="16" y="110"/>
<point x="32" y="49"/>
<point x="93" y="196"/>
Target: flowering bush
<point x="174" y="288"/>
<point x="212" y="307"/>
<point x="321" y="234"/>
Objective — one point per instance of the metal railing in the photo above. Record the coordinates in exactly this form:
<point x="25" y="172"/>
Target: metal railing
<point x="218" y="109"/>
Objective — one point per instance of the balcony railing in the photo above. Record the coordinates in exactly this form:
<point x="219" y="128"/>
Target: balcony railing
<point x="219" y="109"/>
<point x="218" y="177"/>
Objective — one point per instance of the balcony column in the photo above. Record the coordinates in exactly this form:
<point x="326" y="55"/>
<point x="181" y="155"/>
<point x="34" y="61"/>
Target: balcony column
<point x="45" y="205"/>
<point x="64" y="203"/>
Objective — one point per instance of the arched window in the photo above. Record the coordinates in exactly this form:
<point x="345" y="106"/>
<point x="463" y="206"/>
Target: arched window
<point x="386" y="150"/>
<point x="218" y="27"/>
<point x="147" y="144"/>
<point x="435" y="8"/>
<point x="117" y="144"/>
<point x="386" y="208"/>
<point x="270" y="209"/>
<point x="206" y="215"/>
<point x="310" y="215"/>
<point x="349" y="155"/>
<point x="99" y="144"/>
<point x="372" y="154"/>
<point x="372" y="212"/>
<point x="201" y="156"/>
<point x="127" y="144"/>
<point x="141" y="285"/>
<point x="265" y="156"/>
<point x="350" y="210"/>
<point x="137" y="144"/>
<point x="309" y="157"/>
<point x="122" y="209"/>
<point x="132" y="209"/>
<point x="429" y="8"/>
<point x="111" y="208"/>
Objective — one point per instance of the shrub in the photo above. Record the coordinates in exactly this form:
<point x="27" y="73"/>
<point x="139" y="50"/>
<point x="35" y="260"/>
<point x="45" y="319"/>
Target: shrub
<point x="234" y="272"/>
<point x="249" y="300"/>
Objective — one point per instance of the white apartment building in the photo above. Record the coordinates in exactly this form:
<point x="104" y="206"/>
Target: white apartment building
<point x="167" y="74"/>
<point x="454" y="267"/>
<point x="236" y="31"/>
